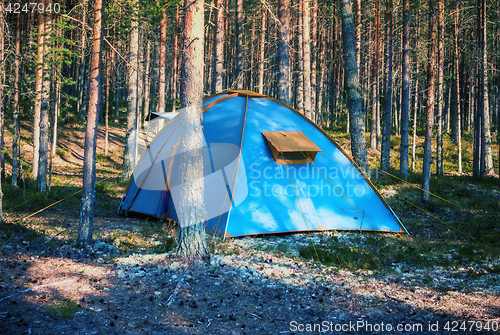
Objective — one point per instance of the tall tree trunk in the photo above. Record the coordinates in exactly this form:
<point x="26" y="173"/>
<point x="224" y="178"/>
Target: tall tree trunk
<point x="162" y="65"/>
<point x="239" y="45"/>
<point x="426" y="170"/>
<point x="416" y="95"/>
<point x="386" y="139"/>
<point x="405" y="93"/>
<point x="16" y="137"/>
<point x="108" y="73"/>
<point x="284" y="52"/>
<point x="262" y="50"/>
<point x="192" y="242"/>
<point x="217" y="77"/>
<point x="375" y="95"/>
<point x="174" y="63"/>
<point x="306" y="40"/>
<point x="439" y="139"/>
<point x="38" y="91"/>
<point x="146" y="81"/>
<point x="478" y="155"/>
<point x="314" y="41"/>
<point x="130" y="154"/>
<point x="251" y="80"/>
<point x="80" y="102"/>
<point x="321" y="84"/>
<point x="456" y="107"/>
<point x="57" y="104"/>
<point x="116" y="89"/>
<point x="354" y="100"/>
<point x="41" y="180"/>
<point x="486" y="127"/>
<point x="140" y="76"/>
<point x="300" y="63"/>
<point x="89" y="169"/>
<point x="358" y="36"/>
<point x="2" y="109"/>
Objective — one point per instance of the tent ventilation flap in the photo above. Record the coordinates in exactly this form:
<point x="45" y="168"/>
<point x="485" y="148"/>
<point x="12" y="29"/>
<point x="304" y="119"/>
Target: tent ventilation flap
<point x="291" y="147"/>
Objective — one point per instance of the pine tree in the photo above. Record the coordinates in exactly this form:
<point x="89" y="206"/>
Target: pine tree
<point x="217" y="77"/>
<point x="354" y="100"/>
<point x="89" y="168"/>
<point x="16" y="136"/>
<point x="306" y="50"/>
<point x="386" y="138"/>
<point x="439" y="133"/>
<point x="191" y="241"/>
<point x="405" y="92"/>
<point x="284" y="52"/>
<point x="163" y="63"/>
<point x="431" y="64"/>
<point x="130" y="154"/>
<point x="38" y="90"/>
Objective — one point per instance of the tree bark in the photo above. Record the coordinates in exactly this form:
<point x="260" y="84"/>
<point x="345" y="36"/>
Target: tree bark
<point x="2" y="109"/>
<point x="456" y="107"/>
<point x="116" y="65"/>
<point x="38" y="91"/>
<point x="306" y="40"/>
<point x="314" y="70"/>
<point x="16" y="136"/>
<point x="439" y="134"/>
<point x="239" y="45"/>
<point x="415" y="105"/>
<point x="358" y="36"/>
<point x="487" y="156"/>
<point x="375" y="76"/>
<point x="162" y="65"/>
<point x="80" y="102"/>
<point x="146" y="81"/>
<point x="386" y="138"/>
<point x="175" y="61"/>
<point x="108" y="73"/>
<point x="89" y="168"/>
<point x="405" y="93"/>
<point x="431" y="64"/>
<point x="192" y="215"/>
<point x="284" y="52"/>
<point x="44" y="115"/>
<point x="321" y="83"/>
<point x="262" y="50"/>
<point x="217" y="77"/>
<point x="300" y="63"/>
<point x="130" y="154"/>
<point x="354" y="100"/>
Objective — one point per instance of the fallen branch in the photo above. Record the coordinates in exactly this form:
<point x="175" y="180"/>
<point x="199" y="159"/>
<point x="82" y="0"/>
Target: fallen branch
<point x="395" y="299"/>
<point x="37" y="287"/>
<point x="176" y="291"/>
<point x="50" y="239"/>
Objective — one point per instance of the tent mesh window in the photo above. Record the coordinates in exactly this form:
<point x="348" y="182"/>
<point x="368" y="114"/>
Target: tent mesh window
<point x="291" y="147"/>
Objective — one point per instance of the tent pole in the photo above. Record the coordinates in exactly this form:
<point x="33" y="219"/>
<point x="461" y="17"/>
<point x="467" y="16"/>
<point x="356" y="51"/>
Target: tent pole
<point x="397" y="218"/>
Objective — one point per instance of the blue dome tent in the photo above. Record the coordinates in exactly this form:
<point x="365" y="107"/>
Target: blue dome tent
<point x="267" y="169"/>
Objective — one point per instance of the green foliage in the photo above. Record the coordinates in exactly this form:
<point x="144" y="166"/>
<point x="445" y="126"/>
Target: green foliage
<point x="63" y="153"/>
<point x="167" y="243"/>
<point x="65" y="310"/>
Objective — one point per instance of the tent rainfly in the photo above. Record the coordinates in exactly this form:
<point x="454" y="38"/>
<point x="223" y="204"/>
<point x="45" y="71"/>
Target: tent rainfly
<point x="267" y="169"/>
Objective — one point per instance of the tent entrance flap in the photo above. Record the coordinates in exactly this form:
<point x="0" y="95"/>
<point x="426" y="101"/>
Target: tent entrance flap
<point x="291" y="147"/>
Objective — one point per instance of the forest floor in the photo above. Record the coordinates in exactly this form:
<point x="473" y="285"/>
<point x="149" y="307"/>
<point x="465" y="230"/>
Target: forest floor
<point x="443" y="278"/>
